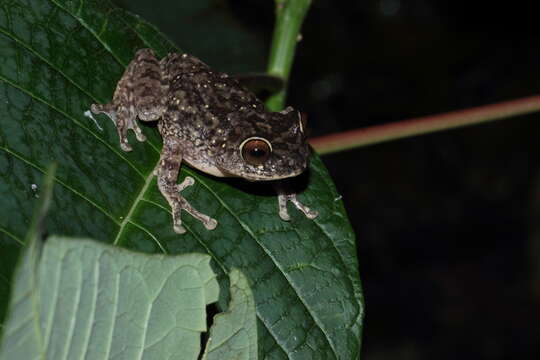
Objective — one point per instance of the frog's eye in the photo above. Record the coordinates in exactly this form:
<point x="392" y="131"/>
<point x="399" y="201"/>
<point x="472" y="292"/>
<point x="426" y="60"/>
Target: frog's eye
<point x="255" y="150"/>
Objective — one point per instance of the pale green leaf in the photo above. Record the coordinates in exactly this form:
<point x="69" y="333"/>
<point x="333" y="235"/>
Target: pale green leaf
<point x="234" y="333"/>
<point x="80" y="299"/>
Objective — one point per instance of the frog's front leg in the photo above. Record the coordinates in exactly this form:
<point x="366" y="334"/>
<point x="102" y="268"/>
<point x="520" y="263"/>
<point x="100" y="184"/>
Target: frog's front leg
<point x="139" y="93"/>
<point x="167" y="173"/>
<point x="285" y="194"/>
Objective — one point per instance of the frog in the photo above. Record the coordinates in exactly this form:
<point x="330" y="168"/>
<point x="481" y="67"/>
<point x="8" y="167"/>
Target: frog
<point x="209" y="121"/>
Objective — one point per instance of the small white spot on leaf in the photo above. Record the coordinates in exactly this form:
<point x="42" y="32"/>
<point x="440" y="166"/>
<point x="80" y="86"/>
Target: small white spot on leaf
<point x="34" y="189"/>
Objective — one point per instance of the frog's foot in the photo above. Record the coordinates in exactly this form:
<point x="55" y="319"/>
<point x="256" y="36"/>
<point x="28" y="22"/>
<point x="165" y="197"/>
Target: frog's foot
<point x="178" y="203"/>
<point x="123" y="119"/>
<point x="207" y="221"/>
<point x="284" y="213"/>
<point x="285" y="195"/>
<point x="167" y="173"/>
<point x="188" y="181"/>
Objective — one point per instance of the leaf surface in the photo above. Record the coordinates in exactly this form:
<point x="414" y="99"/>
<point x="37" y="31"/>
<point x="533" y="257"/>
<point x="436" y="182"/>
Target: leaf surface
<point x="234" y="333"/>
<point x="87" y="299"/>
<point x="58" y="57"/>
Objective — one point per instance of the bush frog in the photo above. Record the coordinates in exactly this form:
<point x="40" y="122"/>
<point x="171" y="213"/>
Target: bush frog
<point x="208" y="120"/>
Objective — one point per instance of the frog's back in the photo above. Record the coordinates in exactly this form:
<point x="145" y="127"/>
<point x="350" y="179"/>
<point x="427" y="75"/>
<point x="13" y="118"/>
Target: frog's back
<point x="198" y="90"/>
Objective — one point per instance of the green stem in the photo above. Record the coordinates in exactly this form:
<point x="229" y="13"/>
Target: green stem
<point x="289" y="17"/>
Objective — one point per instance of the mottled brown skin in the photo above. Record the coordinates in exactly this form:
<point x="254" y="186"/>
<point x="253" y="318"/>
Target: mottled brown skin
<point x="209" y="121"/>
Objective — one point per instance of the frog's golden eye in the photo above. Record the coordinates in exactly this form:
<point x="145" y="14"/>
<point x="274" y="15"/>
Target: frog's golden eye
<point x="255" y="150"/>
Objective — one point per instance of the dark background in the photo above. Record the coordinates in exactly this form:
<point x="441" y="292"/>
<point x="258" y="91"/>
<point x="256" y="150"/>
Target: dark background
<point x="446" y="224"/>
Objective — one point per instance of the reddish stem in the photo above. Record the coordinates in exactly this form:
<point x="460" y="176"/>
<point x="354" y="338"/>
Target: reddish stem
<point x="411" y="127"/>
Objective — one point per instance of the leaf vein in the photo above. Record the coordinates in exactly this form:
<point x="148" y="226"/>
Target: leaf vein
<point x="13" y="236"/>
<point x="133" y="206"/>
<point x="83" y="23"/>
<point x="113" y="149"/>
<point x="73" y="319"/>
<point x="63" y="184"/>
<point x="145" y="230"/>
<point x="53" y="285"/>
<point x="93" y="306"/>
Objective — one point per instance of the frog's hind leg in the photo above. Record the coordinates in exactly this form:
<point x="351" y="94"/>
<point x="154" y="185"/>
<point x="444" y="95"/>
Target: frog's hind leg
<point x="167" y="173"/>
<point x="149" y="89"/>
<point x="139" y="93"/>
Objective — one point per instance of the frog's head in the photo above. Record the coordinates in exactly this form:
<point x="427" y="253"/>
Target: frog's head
<point x="265" y="145"/>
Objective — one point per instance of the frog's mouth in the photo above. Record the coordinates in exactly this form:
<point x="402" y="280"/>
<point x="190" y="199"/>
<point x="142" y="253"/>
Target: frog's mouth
<point x="247" y="173"/>
<point x="254" y="176"/>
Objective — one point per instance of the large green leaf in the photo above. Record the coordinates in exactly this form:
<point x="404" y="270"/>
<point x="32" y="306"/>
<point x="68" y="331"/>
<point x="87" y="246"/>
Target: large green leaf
<point x="57" y="58"/>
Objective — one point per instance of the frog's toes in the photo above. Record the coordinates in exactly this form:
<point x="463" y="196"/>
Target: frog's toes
<point x="179" y="229"/>
<point x="124" y="145"/>
<point x="310" y="214"/>
<point x="188" y="181"/>
<point x="210" y="224"/>
<point x="98" y="108"/>
<point x="139" y="134"/>
<point x="284" y="214"/>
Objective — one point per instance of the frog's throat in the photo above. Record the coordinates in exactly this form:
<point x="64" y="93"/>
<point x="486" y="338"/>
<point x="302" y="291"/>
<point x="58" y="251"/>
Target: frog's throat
<point x="261" y="177"/>
<point x="249" y="176"/>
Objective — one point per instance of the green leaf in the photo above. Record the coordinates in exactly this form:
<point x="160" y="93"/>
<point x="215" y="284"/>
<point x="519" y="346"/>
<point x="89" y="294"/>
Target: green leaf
<point x="87" y="299"/>
<point x="234" y="335"/>
<point x="57" y="58"/>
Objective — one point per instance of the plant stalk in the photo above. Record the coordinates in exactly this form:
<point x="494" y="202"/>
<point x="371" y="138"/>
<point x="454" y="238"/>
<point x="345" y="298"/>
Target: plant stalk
<point x="329" y="144"/>
<point x="290" y="15"/>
